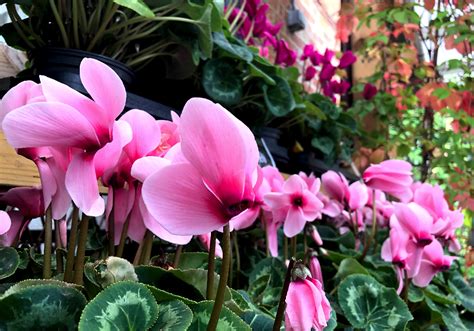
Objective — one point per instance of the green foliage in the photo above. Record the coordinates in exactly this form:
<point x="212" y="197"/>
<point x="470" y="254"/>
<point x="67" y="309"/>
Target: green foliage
<point x="279" y="97"/>
<point x="173" y="315"/>
<point x="123" y="305"/>
<point x="221" y="82"/>
<point x="369" y="305"/>
<point x="44" y="306"/>
<point x="9" y="261"/>
<point x="137" y="6"/>
<point x="228" y="321"/>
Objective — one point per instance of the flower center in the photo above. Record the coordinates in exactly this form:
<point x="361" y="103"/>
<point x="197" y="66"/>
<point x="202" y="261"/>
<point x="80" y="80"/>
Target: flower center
<point x="298" y="201"/>
<point x="237" y="208"/>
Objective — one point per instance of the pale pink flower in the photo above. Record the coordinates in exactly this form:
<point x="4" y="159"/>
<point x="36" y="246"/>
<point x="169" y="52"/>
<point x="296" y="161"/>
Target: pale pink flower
<point x="295" y="205"/>
<point x="392" y="176"/>
<point x="67" y="119"/>
<point x="315" y="269"/>
<point x="205" y="239"/>
<point x="217" y="181"/>
<point x="307" y="307"/>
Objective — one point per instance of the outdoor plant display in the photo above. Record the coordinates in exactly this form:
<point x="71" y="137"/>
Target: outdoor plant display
<point x="300" y="253"/>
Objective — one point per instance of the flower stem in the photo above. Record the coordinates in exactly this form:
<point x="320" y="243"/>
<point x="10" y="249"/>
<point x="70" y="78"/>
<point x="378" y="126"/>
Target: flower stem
<point x="123" y="238"/>
<point x="293" y="246"/>
<point x="81" y="250"/>
<point x="285" y="247"/>
<point x="48" y="243"/>
<point x="284" y="291"/>
<point x="71" y="245"/>
<point x="219" y="301"/>
<point x="177" y="255"/>
<point x="211" y="267"/>
<point x="237" y="259"/>
<point x="147" y="246"/>
<point x="111" y="232"/>
<point x="59" y="253"/>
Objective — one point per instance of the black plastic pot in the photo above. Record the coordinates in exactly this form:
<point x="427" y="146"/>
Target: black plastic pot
<point x="62" y="64"/>
<point x="279" y="153"/>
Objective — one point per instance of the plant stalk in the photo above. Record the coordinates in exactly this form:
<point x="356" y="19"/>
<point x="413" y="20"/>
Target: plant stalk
<point x="148" y="245"/>
<point x="59" y="253"/>
<point x="81" y="250"/>
<point x="48" y="243"/>
<point x="71" y="245"/>
<point x="123" y="238"/>
<point x="211" y="267"/>
<point x="284" y="291"/>
<point x="177" y="255"/>
<point x="219" y="301"/>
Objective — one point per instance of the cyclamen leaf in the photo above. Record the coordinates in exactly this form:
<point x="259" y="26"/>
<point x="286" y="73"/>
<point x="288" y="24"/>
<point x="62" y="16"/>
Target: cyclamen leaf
<point x="369" y="305"/>
<point x="9" y="261"/>
<point x="449" y="314"/>
<point x="173" y="315"/>
<point x="462" y="291"/>
<point x="123" y="306"/>
<point x="228" y="321"/>
<point x="41" y="307"/>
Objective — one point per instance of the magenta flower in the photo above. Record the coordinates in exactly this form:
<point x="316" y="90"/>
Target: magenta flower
<point x="310" y="73"/>
<point x="307" y="307"/>
<point x="308" y="51"/>
<point x="284" y="54"/>
<point x="339" y="87"/>
<point x="347" y="59"/>
<point x="69" y="120"/>
<point x="295" y="205"/>
<point x="393" y="177"/>
<point x="369" y="91"/>
<point x="216" y="181"/>
<point x="327" y="72"/>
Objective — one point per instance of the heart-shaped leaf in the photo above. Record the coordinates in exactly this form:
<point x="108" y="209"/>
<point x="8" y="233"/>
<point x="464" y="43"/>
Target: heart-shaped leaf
<point x="41" y="307"/>
<point x="279" y="97"/>
<point x="461" y="290"/>
<point x="369" y="305"/>
<point x="122" y="306"/>
<point x="9" y="261"/>
<point x="221" y="82"/>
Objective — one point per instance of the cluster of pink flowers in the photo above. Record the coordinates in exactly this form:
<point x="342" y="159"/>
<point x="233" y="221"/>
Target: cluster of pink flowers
<point x="198" y="173"/>
<point x="323" y="65"/>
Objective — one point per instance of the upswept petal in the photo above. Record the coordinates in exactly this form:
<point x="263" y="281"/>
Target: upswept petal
<point x="104" y="86"/>
<point x="177" y="197"/>
<point x="108" y="156"/>
<point x="55" y="91"/>
<point x="358" y="195"/>
<point x="144" y="167"/>
<point x="146" y="133"/>
<point x="81" y="183"/>
<point x="18" y="224"/>
<point x="294" y="223"/>
<point x="48" y="181"/>
<point x="48" y="124"/>
<point x="219" y="146"/>
<point x="414" y="218"/>
<point x="61" y="200"/>
<point x="334" y="185"/>
<point x="276" y="200"/>
<point x="425" y="274"/>
<point x="29" y="200"/>
<point x="16" y="97"/>
<point x="294" y="184"/>
<point x="312" y="207"/>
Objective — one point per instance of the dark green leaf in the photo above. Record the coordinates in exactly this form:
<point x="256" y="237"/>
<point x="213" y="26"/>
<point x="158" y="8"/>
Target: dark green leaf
<point x="279" y="98"/>
<point x="258" y="321"/>
<point x="324" y="144"/>
<point x="173" y="315"/>
<point x="237" y="51"/>
<point x="449" y="314"/>
<point x="121" y="306"/>
<point x="348" y="267"/>
<point x="369" y="305"/>
<point x="9" y="261"/>
<point x="41" y="307"/>
<point x="462" y="291"/>
<point x="228" y="321"/>
<point x="221" y="82"/>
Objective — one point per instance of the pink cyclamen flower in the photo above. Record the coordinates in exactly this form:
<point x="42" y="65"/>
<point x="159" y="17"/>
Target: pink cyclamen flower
<point x="308" y="51"/>
<point x="347" y="59"/>
<point x="392" y="176"/>
<point x="369" y="91"/>
<point x="315" y="269"/>
<point x="5" y="222"/>
<point x="215" y="182"/>
<point x="69" y="120"/>
<point x="432" y="262"/>
<point x="295" y="205"/>
<point x="307" y="307"/>
<point x="327" y="72"/>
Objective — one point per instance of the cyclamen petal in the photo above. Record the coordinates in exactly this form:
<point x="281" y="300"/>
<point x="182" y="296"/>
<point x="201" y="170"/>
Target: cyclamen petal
<point x="5" y="222"/>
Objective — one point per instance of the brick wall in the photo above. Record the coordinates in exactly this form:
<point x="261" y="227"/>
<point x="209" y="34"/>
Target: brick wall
<point x="321" y="17"/>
